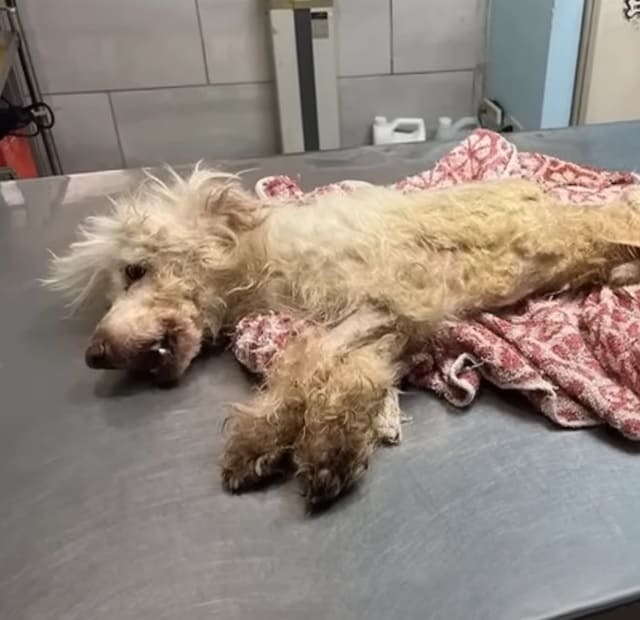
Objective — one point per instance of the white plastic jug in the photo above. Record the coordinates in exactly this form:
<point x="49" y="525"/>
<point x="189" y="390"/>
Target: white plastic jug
<point x="448" y="130"/>
<point x="398" y="131"/>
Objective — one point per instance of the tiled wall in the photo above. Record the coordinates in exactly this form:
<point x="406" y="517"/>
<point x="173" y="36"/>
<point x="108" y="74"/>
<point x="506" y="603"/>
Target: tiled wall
<point x="138" y="82"/>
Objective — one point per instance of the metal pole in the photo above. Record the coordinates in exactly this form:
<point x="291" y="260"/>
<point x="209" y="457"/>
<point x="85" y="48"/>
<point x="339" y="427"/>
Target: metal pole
<point x="31" y="82"/>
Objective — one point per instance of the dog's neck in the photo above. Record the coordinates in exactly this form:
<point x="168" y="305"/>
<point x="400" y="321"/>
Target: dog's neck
<point x="245" y="285"/>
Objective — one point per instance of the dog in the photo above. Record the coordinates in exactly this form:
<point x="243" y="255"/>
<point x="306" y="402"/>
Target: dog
<point x="374" y="273"/>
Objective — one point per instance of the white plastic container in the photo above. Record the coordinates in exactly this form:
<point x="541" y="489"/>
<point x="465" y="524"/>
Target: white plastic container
<point x="398" y="131"/>
<point x="448" y="130"/>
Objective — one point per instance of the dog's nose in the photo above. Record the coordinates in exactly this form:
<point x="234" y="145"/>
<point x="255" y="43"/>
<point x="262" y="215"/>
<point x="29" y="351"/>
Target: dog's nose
<point x="97" y="355"/>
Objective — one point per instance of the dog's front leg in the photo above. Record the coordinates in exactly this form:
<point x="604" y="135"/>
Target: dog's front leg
<point x="263" y="431"/>
<point x="320" y="362"/>
<point x="347" y="398"/>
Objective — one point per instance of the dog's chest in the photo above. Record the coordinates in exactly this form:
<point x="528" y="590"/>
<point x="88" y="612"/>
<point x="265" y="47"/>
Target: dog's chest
<point x="301" y="231"/>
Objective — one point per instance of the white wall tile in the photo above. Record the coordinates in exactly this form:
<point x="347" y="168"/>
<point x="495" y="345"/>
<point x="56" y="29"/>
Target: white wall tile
<point x="363" y="37"/>
<point x="437" y="35"/>
<point x="134" y="45"/>
<point x="81" y="45"/>
<point x="183" y="125"/>
<point x="425" y="96"/>
<point x="85" y="133"/>
<point x="236" y="40"/>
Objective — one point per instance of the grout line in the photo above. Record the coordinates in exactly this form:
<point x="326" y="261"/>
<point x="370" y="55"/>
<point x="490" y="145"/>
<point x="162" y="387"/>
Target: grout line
<point x="202" y="44"/>
<point x="115" y="127"/>
<point x="391" y="38"/>
<point x="143" y="89"/>
<point x="151" y="88"/>
<point x="474" y="86"/>
<point x="405" y="73"/>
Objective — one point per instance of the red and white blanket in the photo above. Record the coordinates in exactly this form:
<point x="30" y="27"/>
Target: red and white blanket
<point x="577" y="359"/>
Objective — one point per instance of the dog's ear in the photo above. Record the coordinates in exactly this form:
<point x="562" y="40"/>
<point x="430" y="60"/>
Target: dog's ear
<point x="237" y="208"/>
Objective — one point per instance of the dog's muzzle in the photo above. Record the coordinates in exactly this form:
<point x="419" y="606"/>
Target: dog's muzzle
<point x="152" y="358"/>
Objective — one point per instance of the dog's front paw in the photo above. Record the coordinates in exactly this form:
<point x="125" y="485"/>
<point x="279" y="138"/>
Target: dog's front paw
<point x="324" y="483"/>
<point x="242" y="472"/>
<point x="330" y="462"/>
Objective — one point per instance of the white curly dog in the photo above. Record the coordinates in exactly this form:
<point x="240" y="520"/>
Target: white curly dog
<point x="374" y="271"/>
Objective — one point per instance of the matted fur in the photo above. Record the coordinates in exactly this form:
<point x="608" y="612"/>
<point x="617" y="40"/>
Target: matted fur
<point x="373" y="271"/>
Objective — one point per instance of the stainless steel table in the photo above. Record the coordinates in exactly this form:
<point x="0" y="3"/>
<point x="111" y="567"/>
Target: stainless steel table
<point x="110" y="501"/>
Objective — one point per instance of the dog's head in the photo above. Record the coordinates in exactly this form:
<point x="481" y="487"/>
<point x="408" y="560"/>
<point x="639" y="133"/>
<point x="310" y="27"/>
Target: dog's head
<point x="163" y="262"/>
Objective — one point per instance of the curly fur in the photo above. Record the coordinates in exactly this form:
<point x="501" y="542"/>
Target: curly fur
<point x="374" y="271"/>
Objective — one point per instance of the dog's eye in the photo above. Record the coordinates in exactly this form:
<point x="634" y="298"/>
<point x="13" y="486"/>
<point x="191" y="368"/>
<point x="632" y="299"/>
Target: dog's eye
<point x="135" y="271"/>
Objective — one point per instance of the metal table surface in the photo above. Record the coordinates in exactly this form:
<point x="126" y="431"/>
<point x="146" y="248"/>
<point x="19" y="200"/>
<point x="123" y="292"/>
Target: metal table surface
<point x="111" y="505"/>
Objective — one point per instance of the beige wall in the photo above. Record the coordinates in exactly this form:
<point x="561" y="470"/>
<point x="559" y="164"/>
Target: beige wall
<point x="610" y="88"/>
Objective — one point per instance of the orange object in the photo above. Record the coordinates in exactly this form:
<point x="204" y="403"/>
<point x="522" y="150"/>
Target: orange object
<point x="15" y="153"/>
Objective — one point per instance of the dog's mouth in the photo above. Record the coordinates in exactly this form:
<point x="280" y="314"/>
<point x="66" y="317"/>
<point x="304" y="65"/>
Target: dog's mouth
<point x="162" y="361"/>
<point x="158" y="362"/>
<point x="165" y="362"/>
